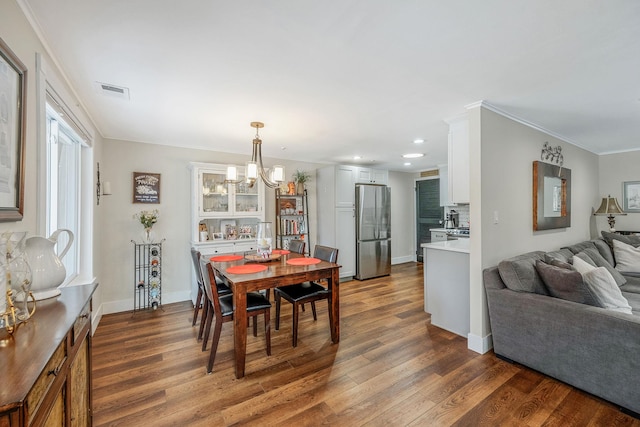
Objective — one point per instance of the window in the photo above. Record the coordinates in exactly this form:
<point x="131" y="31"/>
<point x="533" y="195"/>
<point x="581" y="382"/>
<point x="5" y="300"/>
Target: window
<point x="63" y="202"/>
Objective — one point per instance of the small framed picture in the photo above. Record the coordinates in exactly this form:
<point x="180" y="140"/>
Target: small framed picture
<point x="146" y="187"/>
<point x="631" y="196"/>
<point x="218" y="236"/>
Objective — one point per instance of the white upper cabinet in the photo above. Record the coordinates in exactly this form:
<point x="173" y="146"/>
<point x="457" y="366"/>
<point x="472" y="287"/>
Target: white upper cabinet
<point x="443" y="173"/>
<point x="458" y="159"/>
<point x="372" y="176"/>
<point x="345" y="192"/>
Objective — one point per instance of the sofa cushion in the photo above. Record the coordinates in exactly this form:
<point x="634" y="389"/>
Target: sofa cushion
<point x="634" y="301"/>
<point x="519" y="273"/>
<point x="632" y="285"/>
<point x="565" y="284"/>
<point x="560" y="255"/>
<point x="605" y="291"/>
<point x="579" y="247"/>
<point x="605" y="250"/>
<point x="632" y="239"/>
<point x="627" y="256"/>
<point x="600" y="261"/>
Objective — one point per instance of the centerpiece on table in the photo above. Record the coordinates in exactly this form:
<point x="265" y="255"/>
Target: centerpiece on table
<point x="147" y="219"/>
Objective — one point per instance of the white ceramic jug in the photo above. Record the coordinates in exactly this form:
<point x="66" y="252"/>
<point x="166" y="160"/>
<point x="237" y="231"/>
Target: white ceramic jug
<point x="47" y="270"/>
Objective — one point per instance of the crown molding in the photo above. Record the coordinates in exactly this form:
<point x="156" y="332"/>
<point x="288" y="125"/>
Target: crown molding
<point x="490" y="107"/>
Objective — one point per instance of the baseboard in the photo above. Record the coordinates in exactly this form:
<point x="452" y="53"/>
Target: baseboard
<point x="95" y="319"/>
<point x="127" y="304"/>
<point x="403" y="259"/>
<point x="479" y="344"/>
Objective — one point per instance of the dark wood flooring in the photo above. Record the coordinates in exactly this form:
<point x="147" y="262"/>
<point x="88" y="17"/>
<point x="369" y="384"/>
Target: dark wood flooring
<point x="391" y="368"/>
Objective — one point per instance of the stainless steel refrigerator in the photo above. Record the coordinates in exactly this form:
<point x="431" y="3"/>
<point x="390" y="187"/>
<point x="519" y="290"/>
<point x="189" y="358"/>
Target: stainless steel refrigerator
<point x="373" y="231"/>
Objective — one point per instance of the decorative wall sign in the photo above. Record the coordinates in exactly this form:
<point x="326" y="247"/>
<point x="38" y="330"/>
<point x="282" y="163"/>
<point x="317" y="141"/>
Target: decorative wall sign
<point x="146" y="187"/>
<point x="13" y="78"/>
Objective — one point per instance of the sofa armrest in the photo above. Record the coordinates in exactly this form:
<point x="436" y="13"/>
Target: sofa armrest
<point x="589" y="347"/>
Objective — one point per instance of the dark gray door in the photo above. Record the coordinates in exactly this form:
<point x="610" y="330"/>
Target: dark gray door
<point x="429" y="212"/>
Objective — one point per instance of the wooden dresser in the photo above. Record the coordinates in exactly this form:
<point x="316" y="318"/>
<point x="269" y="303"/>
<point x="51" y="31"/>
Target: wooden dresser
<point x="45" y="367"/>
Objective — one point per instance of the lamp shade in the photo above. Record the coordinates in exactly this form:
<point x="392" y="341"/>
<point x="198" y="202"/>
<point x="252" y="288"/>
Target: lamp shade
<point x="609" y="206"/>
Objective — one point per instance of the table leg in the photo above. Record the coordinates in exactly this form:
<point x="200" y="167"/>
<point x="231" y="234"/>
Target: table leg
<point x="240" y="329"/>
<point x="334" y="294"/>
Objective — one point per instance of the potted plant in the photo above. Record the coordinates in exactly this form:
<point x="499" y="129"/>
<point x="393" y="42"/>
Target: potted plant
<point x="301" y="177"/>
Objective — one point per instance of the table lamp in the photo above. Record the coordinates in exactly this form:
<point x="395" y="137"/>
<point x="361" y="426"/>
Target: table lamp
<point x="610" y="207"/>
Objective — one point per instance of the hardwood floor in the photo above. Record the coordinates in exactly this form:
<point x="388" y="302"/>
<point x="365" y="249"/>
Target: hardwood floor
<point x="391" y="367"/>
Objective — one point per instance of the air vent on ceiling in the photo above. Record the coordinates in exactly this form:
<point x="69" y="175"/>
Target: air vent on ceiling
<point x="112" y="90"/>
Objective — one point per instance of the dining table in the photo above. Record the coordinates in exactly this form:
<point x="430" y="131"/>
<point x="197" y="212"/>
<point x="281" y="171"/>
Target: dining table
<point x="239" y="273"/>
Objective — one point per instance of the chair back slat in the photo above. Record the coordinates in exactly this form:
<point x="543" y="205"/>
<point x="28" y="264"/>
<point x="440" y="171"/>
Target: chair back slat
<point x="209" y="284"/>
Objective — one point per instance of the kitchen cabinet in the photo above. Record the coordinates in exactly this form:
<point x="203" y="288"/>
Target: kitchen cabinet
<point x="458" y="164"/>
<point x="372" y="176"/>
<point x="46" y="366"/>
<point x="335" y="192"/>
<point x="446" y="285"/>
<point x="443" y="175"/>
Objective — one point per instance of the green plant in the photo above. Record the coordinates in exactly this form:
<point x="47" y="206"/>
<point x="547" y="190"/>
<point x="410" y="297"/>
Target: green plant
<point x="301" y="177"/>
<point x="147" y="218"/>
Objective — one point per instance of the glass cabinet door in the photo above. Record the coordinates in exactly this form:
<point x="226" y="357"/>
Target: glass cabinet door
<point x="247" y="198"/>
<point x="215" y="194"/>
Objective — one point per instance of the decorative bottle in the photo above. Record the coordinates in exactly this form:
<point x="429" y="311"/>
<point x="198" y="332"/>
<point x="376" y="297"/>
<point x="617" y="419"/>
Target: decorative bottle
<point x="264" y="239"/>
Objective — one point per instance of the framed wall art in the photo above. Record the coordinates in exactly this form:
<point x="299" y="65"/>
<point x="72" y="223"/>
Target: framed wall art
<point x="13" y="78"/>
<point x="146" y="187"/>
<point x="631" y="196"/>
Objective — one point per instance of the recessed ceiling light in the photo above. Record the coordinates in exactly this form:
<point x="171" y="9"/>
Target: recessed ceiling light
<point x="412" y="155"/>
<point x="357" y="157"/>
<point x="407" y="163"/>
<point x="418" y="141"/>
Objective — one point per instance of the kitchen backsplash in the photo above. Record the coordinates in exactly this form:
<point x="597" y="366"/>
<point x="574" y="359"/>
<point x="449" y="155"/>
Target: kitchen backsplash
<point x="463" y="214"/>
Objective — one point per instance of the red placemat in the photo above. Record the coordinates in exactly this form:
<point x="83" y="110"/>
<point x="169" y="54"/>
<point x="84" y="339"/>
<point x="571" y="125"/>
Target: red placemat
<point x="303" y="261"/>
<point x="280" y="251"/>
<point x="225" y="258"/>
<point x="246" y="269"/>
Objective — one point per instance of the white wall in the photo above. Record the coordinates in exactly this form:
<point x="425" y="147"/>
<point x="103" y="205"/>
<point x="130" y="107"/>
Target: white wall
<point x="18" y="34"/>
<point x="403" y="218"/>
<point x="614" y="170"/>
<point x="502" y="154"/>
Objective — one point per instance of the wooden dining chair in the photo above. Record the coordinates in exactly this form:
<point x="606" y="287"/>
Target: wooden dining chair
<point x="200" y="298"/>
<point x="221" y="307"/>
<point x="302" y="293"/>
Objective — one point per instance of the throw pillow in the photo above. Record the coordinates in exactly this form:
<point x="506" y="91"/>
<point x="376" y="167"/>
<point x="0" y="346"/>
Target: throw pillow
<point x="627" y="257"/>
<point x="562" y="263"/>
<point x="600" y="261"/>
<point x="584" y="257"/>
<point x="565" y="284"/>
<point x="582" y="266"/>
<point x="605" y="291"/>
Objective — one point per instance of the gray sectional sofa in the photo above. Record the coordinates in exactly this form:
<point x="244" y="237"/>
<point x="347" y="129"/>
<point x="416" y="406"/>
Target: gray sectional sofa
<point x="592" y="348"/>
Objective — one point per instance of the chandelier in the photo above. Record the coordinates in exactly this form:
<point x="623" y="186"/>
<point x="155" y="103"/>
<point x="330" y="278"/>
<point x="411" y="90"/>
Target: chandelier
<point x="272" y="178"/>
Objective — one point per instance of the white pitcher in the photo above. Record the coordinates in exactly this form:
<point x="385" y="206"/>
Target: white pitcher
<point x="47" y="270"/>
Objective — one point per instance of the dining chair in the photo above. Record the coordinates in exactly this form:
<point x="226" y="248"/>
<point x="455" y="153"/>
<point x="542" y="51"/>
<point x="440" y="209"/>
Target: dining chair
<point x="221" y="307"/>
<point x="297" y="246"/>
<point x="302" y="293"/>
<point x="200" y="298"/>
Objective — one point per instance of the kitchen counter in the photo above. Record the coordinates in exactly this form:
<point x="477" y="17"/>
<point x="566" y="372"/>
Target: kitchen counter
<point x="459" y="245"/>
<point x="446" y="284"/>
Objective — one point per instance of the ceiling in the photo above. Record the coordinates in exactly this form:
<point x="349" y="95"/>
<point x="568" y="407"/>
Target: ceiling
<point x="338" y="78"/>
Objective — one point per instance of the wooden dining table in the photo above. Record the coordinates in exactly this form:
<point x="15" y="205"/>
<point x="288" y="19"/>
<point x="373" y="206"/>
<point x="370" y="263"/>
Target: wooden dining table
<point x="277" y="273"/>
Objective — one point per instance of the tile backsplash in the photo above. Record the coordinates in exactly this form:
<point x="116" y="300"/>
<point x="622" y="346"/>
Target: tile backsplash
<point x="463" y="214"/>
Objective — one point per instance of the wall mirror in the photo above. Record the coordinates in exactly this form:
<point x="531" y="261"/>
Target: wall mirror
<point x="551" y="196"/>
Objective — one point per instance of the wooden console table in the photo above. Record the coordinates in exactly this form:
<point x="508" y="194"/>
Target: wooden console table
<point x="46" y="365"/>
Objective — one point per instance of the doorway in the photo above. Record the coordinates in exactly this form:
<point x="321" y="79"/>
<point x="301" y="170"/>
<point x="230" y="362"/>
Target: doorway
<point x="429" y="213"/>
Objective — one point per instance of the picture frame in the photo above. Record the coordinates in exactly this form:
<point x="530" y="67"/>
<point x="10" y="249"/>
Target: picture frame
<point x="13" y="86"/>
<point x="631" y="196"/>
<point x="146" y="187"/>
<point x="217" y="235"/>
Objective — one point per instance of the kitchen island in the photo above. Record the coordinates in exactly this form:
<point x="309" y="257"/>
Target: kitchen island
<point x="446" y="284"/>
